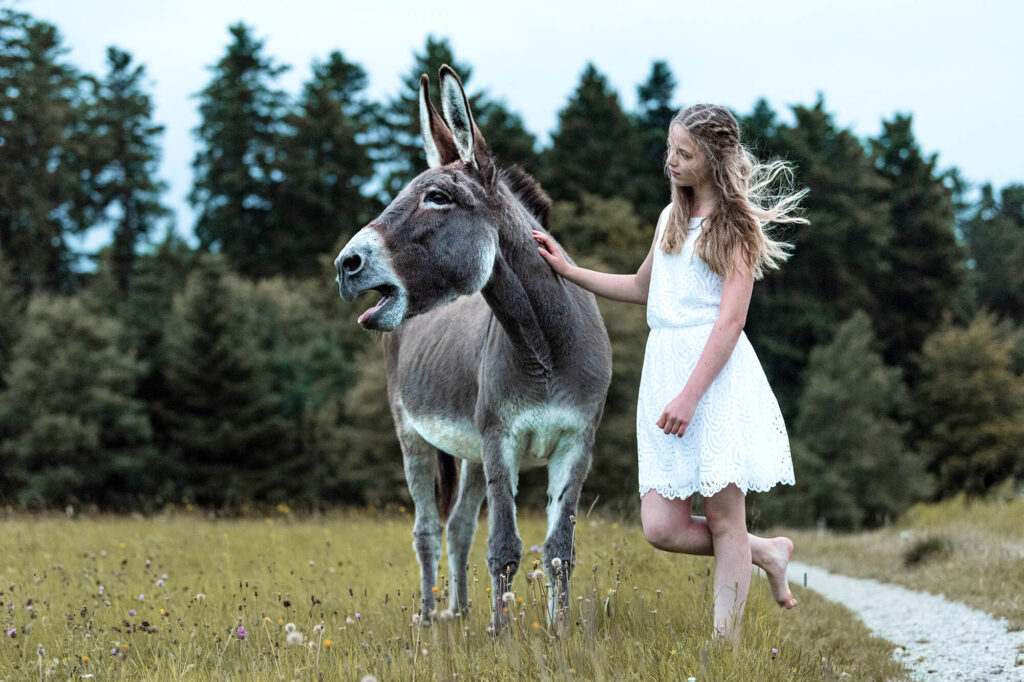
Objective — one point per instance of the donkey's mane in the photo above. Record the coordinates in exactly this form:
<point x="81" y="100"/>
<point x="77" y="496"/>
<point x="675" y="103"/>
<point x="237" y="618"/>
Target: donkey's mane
<point x="529" y="192"/>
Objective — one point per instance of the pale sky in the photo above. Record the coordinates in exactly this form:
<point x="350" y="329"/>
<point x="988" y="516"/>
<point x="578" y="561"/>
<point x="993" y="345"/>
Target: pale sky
<point x="956" y="66"/>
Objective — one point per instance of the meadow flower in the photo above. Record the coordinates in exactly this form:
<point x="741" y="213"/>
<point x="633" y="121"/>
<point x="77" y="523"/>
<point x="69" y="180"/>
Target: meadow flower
<point x="775" y="652"/>
<point x="160" y="583"/>
<point x="131" y="612"/>
<point x="142" y="597"/>
<point x="535" y="548"/>
<point x="13" y="632"/>
<point x="417" y="619"/>
<point x="289" y="627"/>
<point x="556" y="563"/>
<point x="328" y="643"/>
<point x="508" y="597"/>
<point x="447" y="615"/>
<point x="200" y="597"/>
<point x="240" y="631"/>
<point x="350" y="620"/>
<point x="294" y="638"/>
<point x="317" y="629"/>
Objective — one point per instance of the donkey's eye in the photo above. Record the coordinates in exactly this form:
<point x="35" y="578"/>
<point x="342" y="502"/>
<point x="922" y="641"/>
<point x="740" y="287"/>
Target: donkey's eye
<point x="437" y="197"/>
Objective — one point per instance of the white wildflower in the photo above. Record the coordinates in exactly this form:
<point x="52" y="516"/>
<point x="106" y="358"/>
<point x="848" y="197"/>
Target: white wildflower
<point x="295" y="638"/>
<point x="508" y="597"/>
<point x="289" y="627"/>
<point x="556" y="563"/>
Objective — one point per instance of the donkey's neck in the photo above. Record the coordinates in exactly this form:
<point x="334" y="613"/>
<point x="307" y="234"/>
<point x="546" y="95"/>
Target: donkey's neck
<point x="529" y="301"/>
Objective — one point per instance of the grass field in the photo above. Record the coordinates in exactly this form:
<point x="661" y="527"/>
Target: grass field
<point x="179" y="596"/>
<point x="969" y="551"/>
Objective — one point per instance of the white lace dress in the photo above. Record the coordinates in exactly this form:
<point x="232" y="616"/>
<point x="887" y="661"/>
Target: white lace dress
<point x="737" y="434"/>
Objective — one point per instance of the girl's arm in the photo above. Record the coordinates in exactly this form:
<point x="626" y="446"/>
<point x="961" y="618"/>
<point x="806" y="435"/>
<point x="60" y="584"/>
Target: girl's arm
<point x="628" y="288"/>
<point x="736" y="290"/>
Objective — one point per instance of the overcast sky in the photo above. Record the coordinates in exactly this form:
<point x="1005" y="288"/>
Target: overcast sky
<point x="956" y="66"/>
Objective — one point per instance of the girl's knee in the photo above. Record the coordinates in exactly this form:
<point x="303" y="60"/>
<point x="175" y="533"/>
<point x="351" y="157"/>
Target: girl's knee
<point x="656" y="531"/>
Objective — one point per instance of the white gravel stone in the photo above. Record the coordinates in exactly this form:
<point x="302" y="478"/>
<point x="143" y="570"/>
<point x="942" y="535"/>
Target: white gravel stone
<point x="937" y="639"/>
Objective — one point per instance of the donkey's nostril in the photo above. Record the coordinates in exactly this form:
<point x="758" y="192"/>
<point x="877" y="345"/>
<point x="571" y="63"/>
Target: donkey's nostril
<point x="352" y="264"/>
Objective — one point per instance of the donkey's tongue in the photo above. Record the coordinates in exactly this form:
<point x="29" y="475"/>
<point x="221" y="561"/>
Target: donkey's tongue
<point x="371" y="311"/>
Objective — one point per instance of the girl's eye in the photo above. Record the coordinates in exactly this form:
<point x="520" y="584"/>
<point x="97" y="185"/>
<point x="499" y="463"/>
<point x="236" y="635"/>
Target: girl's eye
<point x="437" y="197"/>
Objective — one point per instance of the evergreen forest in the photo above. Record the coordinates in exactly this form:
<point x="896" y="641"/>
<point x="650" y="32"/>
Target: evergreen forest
<point x="225" y="372"/>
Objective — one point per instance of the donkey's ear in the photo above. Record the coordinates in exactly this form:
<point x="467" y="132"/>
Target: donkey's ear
<point x="468" y="140"/>
<point x="437" y="138"/>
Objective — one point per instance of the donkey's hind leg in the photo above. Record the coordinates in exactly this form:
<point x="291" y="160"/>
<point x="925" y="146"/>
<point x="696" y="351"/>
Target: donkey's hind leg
<point x="420" y="460"/>
<point x="566" y="472"/>
<point x="461" y="529"/>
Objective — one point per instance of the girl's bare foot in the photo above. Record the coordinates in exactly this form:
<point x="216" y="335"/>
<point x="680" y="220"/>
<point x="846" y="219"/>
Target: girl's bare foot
<point x="774" y="562"/>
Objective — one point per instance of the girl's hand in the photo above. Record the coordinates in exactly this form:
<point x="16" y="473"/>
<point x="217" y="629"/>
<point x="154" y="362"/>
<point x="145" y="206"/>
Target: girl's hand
<point x="677" y="415"/>
<point x="551" y="253"/>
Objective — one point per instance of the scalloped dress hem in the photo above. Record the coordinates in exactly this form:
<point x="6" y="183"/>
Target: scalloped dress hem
<point x="672" y="493"/>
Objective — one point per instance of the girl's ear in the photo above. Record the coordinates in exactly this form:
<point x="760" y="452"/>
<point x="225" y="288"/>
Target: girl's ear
<point x="437" y="138"/>
<point x="468" y="141"/>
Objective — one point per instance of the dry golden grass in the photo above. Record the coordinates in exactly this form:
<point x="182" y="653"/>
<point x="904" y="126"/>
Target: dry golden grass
<point x="163" y="598"/>
<point x="969" y="551"/>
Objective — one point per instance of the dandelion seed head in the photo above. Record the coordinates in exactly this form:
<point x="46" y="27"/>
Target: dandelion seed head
<point x="508" y="597"/>
<point x="289" y="627"/>
<point x="556" y="563"/>
<point x="294" y="638"/>
<point x="317" y="629"/>
<point x="446" y="615"/>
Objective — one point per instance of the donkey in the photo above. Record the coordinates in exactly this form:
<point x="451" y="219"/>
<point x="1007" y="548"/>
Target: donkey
<point x="491" y="357"/>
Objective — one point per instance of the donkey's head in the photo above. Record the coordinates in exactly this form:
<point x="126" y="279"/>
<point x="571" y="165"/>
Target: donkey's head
<point x="438" y="239"/>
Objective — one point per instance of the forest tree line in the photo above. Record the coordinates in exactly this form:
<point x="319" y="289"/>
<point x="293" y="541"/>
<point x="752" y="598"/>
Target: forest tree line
<point x="230" y="373"/>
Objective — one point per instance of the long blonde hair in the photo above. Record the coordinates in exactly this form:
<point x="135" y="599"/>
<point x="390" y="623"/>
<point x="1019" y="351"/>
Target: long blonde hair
<point x="751" y="194"/>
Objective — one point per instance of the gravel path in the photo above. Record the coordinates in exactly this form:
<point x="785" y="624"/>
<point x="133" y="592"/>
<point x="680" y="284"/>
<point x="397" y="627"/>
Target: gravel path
<point x="938" y="639"/>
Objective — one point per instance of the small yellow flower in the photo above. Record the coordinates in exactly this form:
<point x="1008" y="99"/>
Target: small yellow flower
<point x="535" y="625"/>
<point x="615" y="525"/>
<point x="189" y="507"/>
<point x="328" y="643"/>
<point x="85" y="659"/>
<point x="519" y="600"/>
<point x="162" y="612"/>
<point x="434" y="588"/>
<point x="280" y="621"/>
<point x="123" y="545"/>
<point x="672" y="653"/>
<point x="488" y="590"/>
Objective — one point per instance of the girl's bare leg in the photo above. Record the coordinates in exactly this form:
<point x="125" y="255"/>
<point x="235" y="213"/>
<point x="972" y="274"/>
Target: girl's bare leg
<point x="669" y="525"/>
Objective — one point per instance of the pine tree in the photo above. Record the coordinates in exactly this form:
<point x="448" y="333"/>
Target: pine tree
<point x="596" y="148"/>
<point x="48" y="154"/>
<point x="325" y="165"/>
<point x="11" y="308"/>
<point x="928" y="265"/>
<point x="74" y="433"/>
<point x="234" y="185"/>
<point x="848" y="420"/>
<point x="605" y="229"/>
<point x="127" y="186"/>
<point x="995" y="238"/>
<point x="968" y="406"/>
<point x="220" y="413"/>
<point x="839" y="260"/>
<point x="655" y="112"/>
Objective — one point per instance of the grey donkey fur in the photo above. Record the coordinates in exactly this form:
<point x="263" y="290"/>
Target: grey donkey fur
<point x="491" y="357"/>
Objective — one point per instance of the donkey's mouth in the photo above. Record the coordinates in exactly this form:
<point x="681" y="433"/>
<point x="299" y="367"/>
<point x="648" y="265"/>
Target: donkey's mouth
<point x="371" y="317"/>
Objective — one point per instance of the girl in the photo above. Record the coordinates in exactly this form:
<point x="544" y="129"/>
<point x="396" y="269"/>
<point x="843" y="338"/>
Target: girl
<point x="707" y="421"/>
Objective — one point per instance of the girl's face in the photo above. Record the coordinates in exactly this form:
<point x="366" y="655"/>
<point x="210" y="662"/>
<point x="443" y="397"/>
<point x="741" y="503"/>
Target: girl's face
<point x="686" y="161"/>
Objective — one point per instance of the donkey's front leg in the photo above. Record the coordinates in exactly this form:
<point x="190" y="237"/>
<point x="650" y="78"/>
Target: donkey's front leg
<point x="420" y="469"/>
<point x="461" y="529"/>
<point x="504" y="548"/>
<point x="566" y="472"/>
